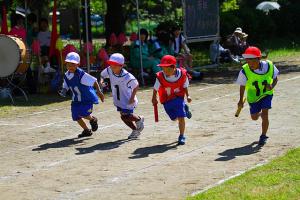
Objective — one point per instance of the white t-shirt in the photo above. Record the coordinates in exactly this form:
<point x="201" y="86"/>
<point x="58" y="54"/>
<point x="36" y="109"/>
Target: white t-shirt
<point x="44" y="37"/>
<point x="122" y="86"/>
<point x="172" y="79"/>
<point x="264" y="67"/>
<point x="86" y="79"/>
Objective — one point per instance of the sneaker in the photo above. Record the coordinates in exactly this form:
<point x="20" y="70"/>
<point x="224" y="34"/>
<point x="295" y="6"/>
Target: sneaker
<point x="187" y="111"/>
<point x="94" y="124"/>
<point x="140" y="124"/>
<point x="134" y="134"/>
<point x="181" y="140"/>
<point x="262" y="139"/>
<point x="85" y="133"/>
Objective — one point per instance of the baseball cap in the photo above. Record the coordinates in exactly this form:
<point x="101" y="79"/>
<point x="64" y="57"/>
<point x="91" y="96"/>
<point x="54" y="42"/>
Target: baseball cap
<point x="238" y="30"/>
<point x="116" y="59"/>
<point x="73" y="57"/>
<point x="252" y="52"/>
<point x="167" y="61"/>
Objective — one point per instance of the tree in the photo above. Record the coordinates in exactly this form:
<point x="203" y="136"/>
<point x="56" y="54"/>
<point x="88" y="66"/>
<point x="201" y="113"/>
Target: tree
<point x="114" y="18"/>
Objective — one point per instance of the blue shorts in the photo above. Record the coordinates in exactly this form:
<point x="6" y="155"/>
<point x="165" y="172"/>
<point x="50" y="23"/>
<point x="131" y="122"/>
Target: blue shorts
<point x="264" y="103"/>
<point x="125" y="111"/>
<point x="81" y="110"/>
<point x="175" y="108"/>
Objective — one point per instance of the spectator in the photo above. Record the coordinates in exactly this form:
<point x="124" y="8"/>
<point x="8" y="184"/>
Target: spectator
<point x="32" y="29"/>
<point x="44" y="37"/>
<point x="19" y="30"/>
<point x="224" y="55"/>
<point x="185" y="57"/>
<point x="233" y="42"/>
<point x="149" y="63"/>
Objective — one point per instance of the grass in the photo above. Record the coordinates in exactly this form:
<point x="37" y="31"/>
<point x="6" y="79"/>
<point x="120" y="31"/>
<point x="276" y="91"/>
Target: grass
<point x="277" y="180"/>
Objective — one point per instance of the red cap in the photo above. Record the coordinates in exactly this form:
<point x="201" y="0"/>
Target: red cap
<point x="252" y="52"/>
<point x="167" y="61"/>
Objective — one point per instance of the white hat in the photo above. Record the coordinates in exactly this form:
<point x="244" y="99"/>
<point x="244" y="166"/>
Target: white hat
<point x="73" y="57"/>
<point x="238" y="30"/>
<point x="116" y="59"/>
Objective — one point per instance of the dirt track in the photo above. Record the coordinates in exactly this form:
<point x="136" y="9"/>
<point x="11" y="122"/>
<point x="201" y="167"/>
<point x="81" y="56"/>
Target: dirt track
<point x="42" y="158"/>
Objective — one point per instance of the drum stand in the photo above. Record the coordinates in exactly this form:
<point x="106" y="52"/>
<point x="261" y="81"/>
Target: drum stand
<point x="11" y="86"/>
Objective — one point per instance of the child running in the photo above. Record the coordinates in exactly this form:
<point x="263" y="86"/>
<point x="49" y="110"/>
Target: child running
<point x="172" y="85"/>
<point x="124" y="87"/>
<point x="259" y="79"/>
<point x="83" y="94"/>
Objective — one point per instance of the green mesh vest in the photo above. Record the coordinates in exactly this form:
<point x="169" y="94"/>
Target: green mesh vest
<point x="256" y="85"/>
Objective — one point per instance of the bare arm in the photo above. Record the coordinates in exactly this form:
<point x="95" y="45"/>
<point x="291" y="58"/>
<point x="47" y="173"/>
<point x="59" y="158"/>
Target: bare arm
<point x="99" y="93"/>
<point x="242" y="91"/>
<point x="134" y="91"/>
<point x="189" y="99"/>
<point x="271" y="86"/>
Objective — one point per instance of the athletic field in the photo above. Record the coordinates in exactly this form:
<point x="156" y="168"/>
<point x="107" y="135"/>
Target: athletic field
<point x="41" y="157"/>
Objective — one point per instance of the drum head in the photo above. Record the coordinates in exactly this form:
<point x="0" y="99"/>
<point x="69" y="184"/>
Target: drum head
<point x="9" y="56"/>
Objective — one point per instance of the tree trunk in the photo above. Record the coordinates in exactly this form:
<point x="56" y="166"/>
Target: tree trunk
<point x="114" y="18"/>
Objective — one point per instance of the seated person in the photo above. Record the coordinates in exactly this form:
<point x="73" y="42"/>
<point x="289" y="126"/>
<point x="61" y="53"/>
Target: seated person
<point x="149" y="63"/>
<point x="233" y="42"/>
<point x="217" y="51"/>
<point x="185" y="56"/>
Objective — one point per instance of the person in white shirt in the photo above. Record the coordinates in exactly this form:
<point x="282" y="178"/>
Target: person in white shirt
<point x="124" y="87"/>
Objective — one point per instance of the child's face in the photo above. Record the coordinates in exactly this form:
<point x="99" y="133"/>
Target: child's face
<point x="71" y="67"/>
<point x="176" y="33"/>
<point x="116" y="69"/>
<point x="253" y="63"/>
<point x="169" y="71"/>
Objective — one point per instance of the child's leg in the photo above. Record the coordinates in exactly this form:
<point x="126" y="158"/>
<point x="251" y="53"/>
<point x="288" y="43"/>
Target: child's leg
<point x="82" y="123"/>
<point x="129" y="120"/>
<point x="93" y="122"/>
<point x="255" y="116"/>
<point x="265" y="121"/>
<point x="181" y="124"/>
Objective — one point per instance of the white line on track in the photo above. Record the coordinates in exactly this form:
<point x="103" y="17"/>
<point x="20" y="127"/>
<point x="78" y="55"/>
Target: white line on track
<point x="159" y="163"/>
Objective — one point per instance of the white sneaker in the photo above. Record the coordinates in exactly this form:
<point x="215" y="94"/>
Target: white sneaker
<point x="134" y="134"/>
<point x="140" y="124"/>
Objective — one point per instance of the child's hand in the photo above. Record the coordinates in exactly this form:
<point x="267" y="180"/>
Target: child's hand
<point x="154" y="101"/>
<point x="240" y="104"/>
<point x="189" y="99"/>
<point x="269" y="87"/>
<point x="101" y="96"/>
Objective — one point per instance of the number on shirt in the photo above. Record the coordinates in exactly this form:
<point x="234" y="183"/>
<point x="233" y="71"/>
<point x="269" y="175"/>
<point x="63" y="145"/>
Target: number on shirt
<point x="118" y="92"/>
<point x="76" y="92"/>
<point x="255" y="84"/>
<point x="168" y="90"/>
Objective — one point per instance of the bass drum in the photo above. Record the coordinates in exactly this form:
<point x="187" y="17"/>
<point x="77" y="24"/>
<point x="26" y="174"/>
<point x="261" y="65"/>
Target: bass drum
<point x="14" y="57"/>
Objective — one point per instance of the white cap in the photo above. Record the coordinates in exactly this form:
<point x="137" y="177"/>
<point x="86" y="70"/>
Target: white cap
<point x="116" y="59"/>
<point x="73" y="57"/>
<point x="238" y="30"/>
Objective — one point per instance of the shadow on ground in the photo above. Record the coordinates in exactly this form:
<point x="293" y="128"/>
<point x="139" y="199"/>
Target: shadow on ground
<point x="101" y="147"/>
<point x="60" y="144"/>
<point x="230" y="154"/>
<point x="146" y="151"/>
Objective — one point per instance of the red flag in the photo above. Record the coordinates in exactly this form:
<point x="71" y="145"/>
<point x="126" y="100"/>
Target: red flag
<point x="54" y="34"/>
<point x="4" y="28"/>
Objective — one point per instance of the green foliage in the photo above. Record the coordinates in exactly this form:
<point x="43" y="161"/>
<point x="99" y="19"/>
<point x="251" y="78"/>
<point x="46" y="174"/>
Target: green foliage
<point x="229" y="5"/>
